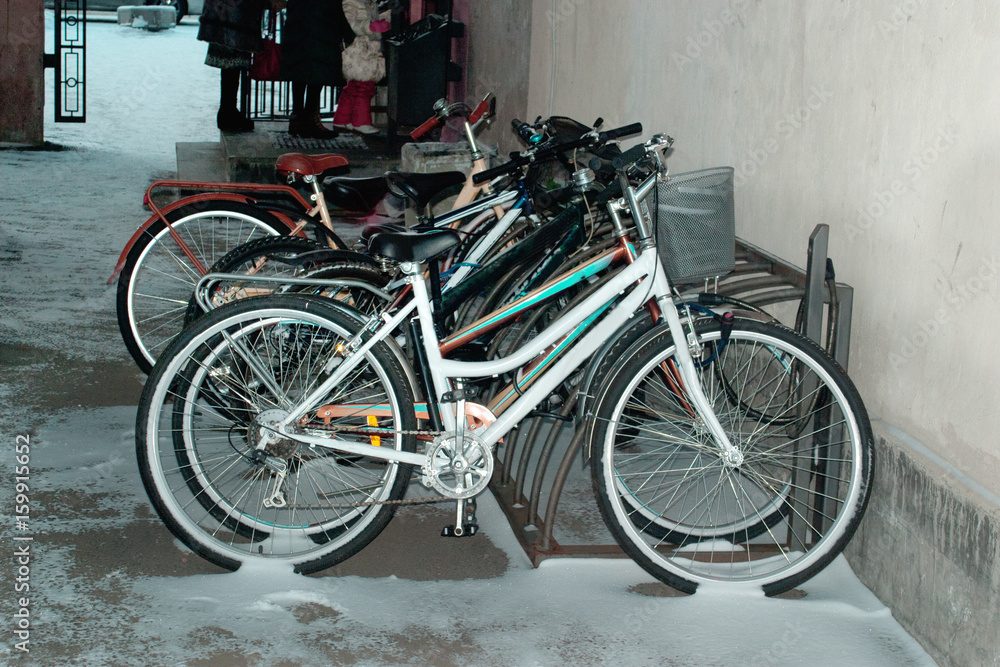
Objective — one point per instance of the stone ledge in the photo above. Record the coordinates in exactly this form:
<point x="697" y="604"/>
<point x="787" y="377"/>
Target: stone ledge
<point x="928" y="548"/>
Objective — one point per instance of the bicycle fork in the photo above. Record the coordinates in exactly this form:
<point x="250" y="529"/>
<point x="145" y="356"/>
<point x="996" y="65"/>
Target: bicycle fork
<point x="686" y="343"/>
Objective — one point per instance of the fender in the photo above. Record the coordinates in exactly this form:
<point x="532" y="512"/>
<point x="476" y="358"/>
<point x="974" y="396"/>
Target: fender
<point x="193" y="199"/>
<point x="638" y="325"/>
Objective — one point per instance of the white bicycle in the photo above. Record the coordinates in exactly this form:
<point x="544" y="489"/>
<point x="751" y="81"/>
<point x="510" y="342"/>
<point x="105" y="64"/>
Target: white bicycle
<point x="287" y="427"/>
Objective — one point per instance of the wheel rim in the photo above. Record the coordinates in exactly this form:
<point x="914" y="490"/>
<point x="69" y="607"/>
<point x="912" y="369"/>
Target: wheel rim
<point x="164" y="280"/>
<point x="682" y="509"/>
<point x="202" y="471"/>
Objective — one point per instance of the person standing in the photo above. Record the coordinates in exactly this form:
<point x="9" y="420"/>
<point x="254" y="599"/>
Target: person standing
<point x="312" y="40"/>
<point x="363" y="66"/>
<point x="232" y="30"/>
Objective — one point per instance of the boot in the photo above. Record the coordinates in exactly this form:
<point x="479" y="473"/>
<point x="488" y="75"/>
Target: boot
<point x="309" y="126"/>
<point x="344" y="117"/>
<point x="295" y="125"/>
<point x="231" y="120"/>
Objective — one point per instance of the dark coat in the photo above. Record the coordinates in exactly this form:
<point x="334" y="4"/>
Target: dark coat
<point x="235" y="24"/>
<point x="312" y="40"/>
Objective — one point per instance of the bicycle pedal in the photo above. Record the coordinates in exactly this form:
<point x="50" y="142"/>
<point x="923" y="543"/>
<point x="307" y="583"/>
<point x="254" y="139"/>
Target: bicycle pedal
<point x="467" y="530"/>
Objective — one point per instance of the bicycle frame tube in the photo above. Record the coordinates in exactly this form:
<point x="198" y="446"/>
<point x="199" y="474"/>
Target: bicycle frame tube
<point x="470" y="190"/>
<point x="462" y="213"/>
<point x="643" y="276"/>
<point x="486" y="243"/>
<point x="511" y="311"/>
<point x="442" y="370"/>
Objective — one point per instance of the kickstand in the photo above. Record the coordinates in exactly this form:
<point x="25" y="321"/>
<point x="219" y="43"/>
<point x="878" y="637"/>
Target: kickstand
<point x="465" y="520"/>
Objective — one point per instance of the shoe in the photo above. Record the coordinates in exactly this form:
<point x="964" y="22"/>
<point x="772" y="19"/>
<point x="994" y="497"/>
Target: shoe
<point x="366" y="129"/>
<point x="231" y="120"/>
<point x="345" y="128"/>
<point x="296" y="126"/>
<point x="309" y="127"/>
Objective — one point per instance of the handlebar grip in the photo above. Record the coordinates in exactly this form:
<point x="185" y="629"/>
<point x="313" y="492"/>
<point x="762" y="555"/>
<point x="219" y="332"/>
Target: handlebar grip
<point x="490" y="174"/>
<point x="428" y="125"/>
<point x="629" y="157"/>
<point x="478" y="112"/>
<point x="624" y="131"/>
<point x="613" y="191"/>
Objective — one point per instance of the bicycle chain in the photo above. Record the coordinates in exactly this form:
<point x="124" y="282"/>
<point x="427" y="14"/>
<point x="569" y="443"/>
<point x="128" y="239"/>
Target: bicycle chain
<point x="372" y="430"/>
<point x="368" y="430"/>
<point x="404" y="501"/>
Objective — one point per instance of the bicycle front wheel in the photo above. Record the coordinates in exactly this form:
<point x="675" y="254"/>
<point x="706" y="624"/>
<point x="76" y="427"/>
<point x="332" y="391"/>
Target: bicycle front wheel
<point x="158" y="278"/>
<point x="216" y="396"/>
<point x="686" y="515"/>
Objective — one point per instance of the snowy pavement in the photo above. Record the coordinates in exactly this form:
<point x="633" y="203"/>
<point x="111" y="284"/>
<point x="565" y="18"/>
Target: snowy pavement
<point x="109" y="585"/>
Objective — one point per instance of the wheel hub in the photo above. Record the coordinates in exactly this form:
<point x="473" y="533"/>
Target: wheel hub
<point x="265" y="427"/>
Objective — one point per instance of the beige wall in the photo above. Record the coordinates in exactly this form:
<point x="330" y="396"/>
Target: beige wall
<point x="499" y="45"/>
<point x="878" y="117"/>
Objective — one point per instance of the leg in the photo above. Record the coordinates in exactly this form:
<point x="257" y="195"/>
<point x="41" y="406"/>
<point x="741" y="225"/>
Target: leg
<point x="305" y="121"/>
<point x="344" y="117"/>
<point x="363" y="107"/>
<point x="229" y="118"/>
<point x="295" y="123"/>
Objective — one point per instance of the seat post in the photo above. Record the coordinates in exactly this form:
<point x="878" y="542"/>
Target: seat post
<point x="324" y="213"/>
<point x="435" y="274"/>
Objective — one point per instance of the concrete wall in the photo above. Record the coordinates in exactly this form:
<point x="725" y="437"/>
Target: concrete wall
<point x="928" y="547"/>
<point x="499" y="46"/>
<point x="22" y="79"/>
<point x="877" y="117"/>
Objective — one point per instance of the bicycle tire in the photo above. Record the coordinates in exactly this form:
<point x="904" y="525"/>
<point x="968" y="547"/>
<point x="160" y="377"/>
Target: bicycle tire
<point x="686" y="517"/>
<point x="364" y="301"/>
<point x="157" y="280"/>
<point x="261" y="257"/>
<point x="204" y="407"/>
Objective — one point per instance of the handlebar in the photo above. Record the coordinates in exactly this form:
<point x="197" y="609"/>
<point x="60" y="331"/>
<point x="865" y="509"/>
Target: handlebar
<point x="483" y="107"/>
<point x="613" y="191"/>
<point x="528" y="134"/>
<point x="443" y="111"/>
<point x="542" y="153"/>
<point x="629" y="157"/>
<point x="424" y="128"/>
<point x="624" y="131"/>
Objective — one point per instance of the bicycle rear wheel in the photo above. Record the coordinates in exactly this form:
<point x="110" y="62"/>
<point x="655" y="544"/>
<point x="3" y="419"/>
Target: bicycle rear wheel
<point x="159" y="278"/>
<point x="686" y="516"/>
<point x="218" y="392"/>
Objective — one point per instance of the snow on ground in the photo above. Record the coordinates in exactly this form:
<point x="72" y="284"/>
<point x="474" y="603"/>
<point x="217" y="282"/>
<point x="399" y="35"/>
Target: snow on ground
<point x="565" y="612"/>
<point x="101" y="588"/>
<point x="145" y="92"/>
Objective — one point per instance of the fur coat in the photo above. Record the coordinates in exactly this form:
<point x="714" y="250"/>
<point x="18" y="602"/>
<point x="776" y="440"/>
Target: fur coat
<point x="363" y="60"/>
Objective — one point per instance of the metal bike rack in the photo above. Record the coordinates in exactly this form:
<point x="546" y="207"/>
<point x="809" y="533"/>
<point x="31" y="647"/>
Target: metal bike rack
<point x="522" y="476"/>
